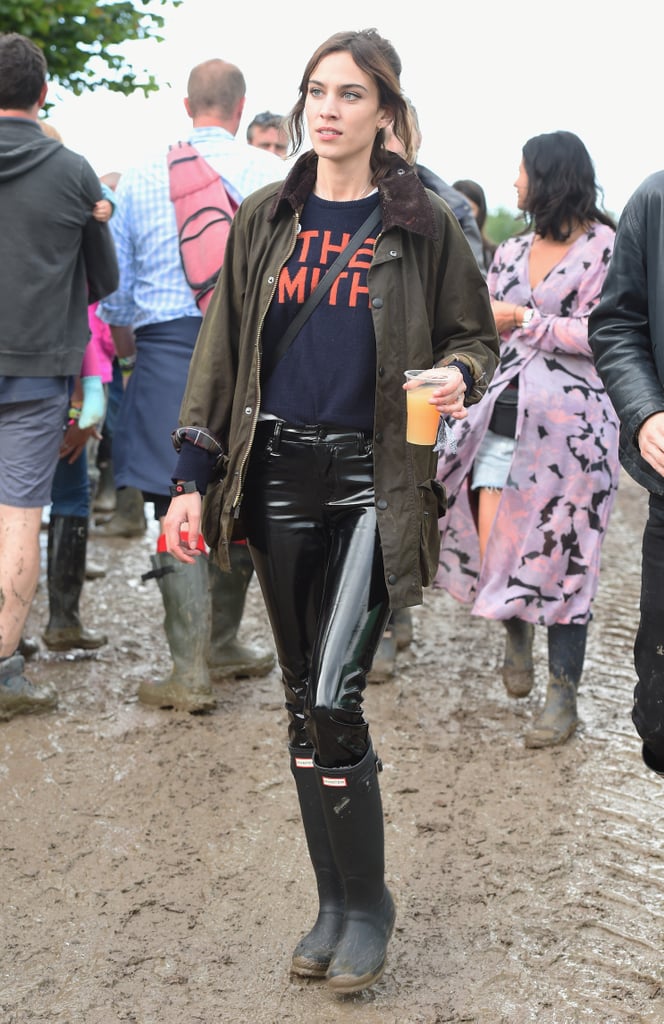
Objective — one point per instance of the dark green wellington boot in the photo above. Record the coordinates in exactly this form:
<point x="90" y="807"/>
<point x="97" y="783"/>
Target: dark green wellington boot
<point x="314" y="951"/>
<point x="184" y="592"/>
<point x="226" y="656"/>
<point x="66" y="551"/>
<point x="354" y="815"/>
<point x="558" y="718"/>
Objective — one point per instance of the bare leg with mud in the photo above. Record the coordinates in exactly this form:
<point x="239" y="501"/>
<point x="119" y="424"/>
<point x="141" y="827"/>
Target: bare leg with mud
<point x="19" y="575"/>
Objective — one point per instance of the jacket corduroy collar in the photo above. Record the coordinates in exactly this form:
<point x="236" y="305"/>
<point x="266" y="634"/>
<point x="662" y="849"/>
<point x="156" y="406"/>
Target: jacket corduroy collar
<point x="403" y="198"/>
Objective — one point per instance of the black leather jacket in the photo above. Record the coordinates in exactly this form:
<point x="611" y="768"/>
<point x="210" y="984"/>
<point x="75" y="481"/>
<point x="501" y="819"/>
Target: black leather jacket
<point x="626" y="329"/>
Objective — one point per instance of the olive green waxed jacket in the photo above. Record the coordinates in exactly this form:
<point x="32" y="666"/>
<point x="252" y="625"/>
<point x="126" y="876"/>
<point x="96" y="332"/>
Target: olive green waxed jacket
<point x="429" y="305"/>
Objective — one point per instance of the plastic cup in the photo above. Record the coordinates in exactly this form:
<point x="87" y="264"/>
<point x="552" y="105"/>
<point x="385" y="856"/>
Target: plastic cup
<point x="422" y="417"/>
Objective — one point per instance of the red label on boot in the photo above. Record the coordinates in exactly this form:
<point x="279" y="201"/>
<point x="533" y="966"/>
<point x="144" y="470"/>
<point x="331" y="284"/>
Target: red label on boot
<point x="304" y="762"/>
<point x="335" y="781"/>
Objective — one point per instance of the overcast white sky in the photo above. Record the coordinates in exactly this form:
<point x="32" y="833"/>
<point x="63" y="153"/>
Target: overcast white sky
<point x="485" y="76"/>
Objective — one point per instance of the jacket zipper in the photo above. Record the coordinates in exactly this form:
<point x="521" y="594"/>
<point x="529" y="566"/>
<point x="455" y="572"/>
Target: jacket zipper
<point x="237" y="500"/>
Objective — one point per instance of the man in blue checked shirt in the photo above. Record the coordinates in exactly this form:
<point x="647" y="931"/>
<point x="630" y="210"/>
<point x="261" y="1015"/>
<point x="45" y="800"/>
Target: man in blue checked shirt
<point x="153" y="316"/>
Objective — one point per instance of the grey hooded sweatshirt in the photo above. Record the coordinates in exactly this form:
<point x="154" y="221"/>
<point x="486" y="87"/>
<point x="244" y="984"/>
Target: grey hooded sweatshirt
<point x="55" y="258"/>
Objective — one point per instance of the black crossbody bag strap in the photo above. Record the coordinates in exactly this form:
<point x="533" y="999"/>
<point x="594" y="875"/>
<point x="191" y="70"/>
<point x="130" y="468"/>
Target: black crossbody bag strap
<point x="321" y="290"/>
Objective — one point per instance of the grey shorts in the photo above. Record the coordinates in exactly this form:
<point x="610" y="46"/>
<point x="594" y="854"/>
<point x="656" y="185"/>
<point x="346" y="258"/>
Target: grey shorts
<point x="31" y="434"/>
<point x="493" y="460"/>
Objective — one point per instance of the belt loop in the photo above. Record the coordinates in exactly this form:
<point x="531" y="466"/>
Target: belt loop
<point x="276" y="436"/>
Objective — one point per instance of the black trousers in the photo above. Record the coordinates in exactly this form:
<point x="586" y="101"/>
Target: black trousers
<point x="309" y="514"/>
<point x="648" y="710"/>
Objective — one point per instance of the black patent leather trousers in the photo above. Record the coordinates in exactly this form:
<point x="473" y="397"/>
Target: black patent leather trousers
<point x="310" y="520"/>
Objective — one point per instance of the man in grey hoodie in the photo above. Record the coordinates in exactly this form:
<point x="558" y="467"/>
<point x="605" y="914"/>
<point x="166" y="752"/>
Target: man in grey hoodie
<point x="55" y="259"/>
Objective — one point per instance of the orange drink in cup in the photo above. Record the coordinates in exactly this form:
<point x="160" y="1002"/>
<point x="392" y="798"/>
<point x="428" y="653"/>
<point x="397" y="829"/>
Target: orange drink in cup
<point x="422" y="417"/>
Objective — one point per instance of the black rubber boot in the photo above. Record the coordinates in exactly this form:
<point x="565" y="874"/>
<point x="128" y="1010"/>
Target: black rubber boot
<point x="314" y="951"/>
<point x="184" y="591"/>
<point x="226" y="656"/>
<point x="558" y="718"/>
<point x="128" y="520"/>
<point x="18" y="696"/>
<point x="28" y="647"/>
<point x="66" y="551"/>
<point x="354" y="816"/>
<point x="518" y="669"/>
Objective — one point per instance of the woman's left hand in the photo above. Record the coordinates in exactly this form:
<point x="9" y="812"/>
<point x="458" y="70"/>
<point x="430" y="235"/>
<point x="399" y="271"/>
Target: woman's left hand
<point x="450" y="395"/>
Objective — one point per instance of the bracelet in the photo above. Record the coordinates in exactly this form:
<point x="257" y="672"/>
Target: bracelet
<point x="127" y="362"/>
<point x="74" y="413"/>
<point x="183" y="487"/>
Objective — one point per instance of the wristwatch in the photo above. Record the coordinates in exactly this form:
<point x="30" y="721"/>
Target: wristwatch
<point x="528" y="314"/>
<point x="183" y="487"/>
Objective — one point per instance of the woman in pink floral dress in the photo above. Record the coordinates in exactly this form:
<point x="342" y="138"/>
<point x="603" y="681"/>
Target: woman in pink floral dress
<point x="534" y="478"/>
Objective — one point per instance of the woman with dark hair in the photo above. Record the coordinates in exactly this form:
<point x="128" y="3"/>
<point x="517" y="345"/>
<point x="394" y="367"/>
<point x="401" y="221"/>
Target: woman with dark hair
<point x="475" y="195"/>
<point x="532" y="487"/>
<point x="339" y="511"/>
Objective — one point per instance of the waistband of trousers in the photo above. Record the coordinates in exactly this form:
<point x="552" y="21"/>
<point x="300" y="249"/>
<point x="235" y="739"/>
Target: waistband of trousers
<point x="280" y="430"/>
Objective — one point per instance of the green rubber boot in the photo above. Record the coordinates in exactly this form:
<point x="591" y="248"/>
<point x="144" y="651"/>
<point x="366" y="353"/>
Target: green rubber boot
<point x="184" y="591"/>
<point x="226" y="655"/>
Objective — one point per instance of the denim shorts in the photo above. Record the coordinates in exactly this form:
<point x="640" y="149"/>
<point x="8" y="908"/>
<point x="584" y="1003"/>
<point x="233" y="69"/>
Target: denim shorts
<point x="493" y="460"/>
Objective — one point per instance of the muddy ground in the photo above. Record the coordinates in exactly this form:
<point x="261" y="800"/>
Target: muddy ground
<point x="154" y="871"/>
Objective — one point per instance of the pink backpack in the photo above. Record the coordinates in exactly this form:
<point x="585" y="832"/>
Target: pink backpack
<point x="203" y="211"/>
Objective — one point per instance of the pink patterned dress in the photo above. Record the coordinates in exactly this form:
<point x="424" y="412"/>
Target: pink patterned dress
<point x="543" y="554"/>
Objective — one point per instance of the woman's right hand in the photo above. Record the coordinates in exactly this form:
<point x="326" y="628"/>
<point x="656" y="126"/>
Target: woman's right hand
<point x="507" y="316"/>
<point x="183" y="511"/>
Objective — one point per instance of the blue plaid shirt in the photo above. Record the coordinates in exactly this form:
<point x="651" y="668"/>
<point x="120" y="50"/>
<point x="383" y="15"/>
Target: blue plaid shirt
<point x="152" y="286"/>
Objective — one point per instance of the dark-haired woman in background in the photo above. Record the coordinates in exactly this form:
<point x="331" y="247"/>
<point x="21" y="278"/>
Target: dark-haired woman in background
<point x="475" y="195"/>
<point x="533" y="484"/>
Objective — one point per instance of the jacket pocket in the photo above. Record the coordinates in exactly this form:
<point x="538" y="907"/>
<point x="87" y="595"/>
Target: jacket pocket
<point x="434" y="506"/>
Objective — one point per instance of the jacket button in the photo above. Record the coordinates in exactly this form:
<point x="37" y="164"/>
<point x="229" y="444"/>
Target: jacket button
<point x="392" y="579"/>
<point x="381" y="503"/>
<point x="381" y="371"/>
<point x="378" y="437"/>
<point x="248" y="411"/>
<point x="271" y="279"/>
<point x="377" y="303"/>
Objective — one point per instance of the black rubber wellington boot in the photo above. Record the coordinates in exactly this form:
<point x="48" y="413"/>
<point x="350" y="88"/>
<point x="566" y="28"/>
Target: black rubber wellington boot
<point x="184" y="591"/>
<point x="354" y="815"/>
<point x="558" y="718"/>
<point x="518" y="668"/>
<point x="66" y="551"/>
<point x="314" y="951"/>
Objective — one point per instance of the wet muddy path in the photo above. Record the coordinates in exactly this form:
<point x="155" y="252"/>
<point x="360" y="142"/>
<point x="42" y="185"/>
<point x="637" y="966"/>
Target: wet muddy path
<point x="153" y="869"/>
